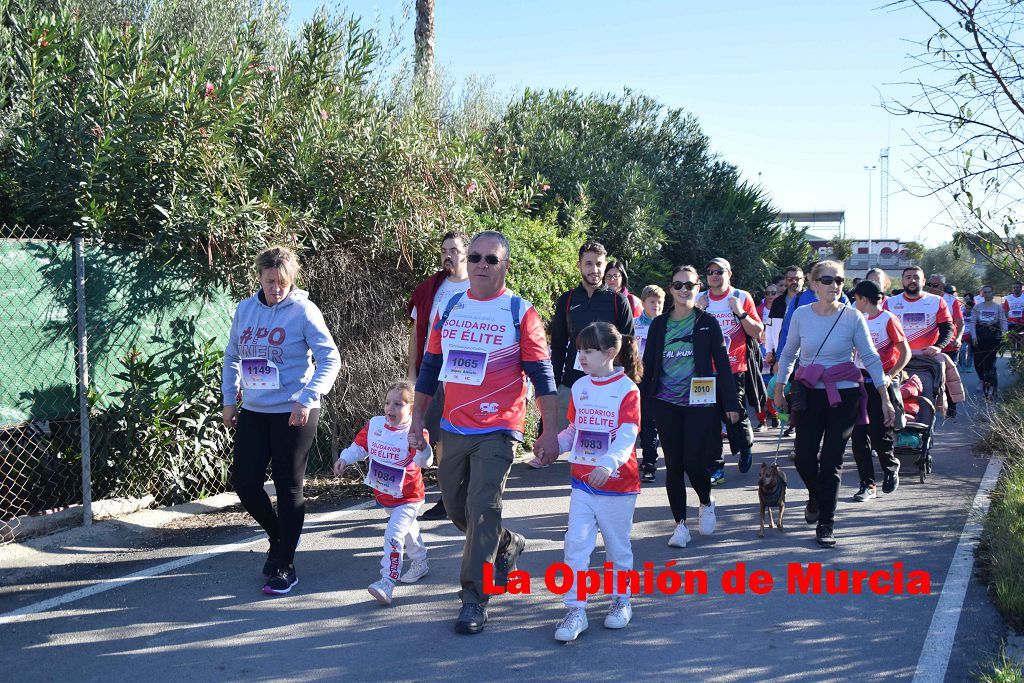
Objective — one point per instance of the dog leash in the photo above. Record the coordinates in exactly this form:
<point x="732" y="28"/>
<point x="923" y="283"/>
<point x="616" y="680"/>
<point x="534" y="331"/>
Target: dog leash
<point x="783" y="420"/>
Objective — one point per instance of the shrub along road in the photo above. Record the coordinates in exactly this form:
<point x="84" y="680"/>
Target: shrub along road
<point x="204" y="617"/>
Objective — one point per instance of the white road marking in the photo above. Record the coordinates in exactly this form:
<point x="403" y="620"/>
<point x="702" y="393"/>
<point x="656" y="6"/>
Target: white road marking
<point x="938" y="643"/>
<point x="110" y="584"/>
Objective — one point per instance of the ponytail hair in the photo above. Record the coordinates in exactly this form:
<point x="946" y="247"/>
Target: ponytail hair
<point x="602" y="336"/>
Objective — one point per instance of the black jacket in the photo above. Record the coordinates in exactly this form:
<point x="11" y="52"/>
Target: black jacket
<point x="710" y="357"/>
<point x="574" y="310"/>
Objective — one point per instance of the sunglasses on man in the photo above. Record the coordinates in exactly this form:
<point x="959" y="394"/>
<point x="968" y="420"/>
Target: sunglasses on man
<point x="491" y="259"/>
<point x="714" y="272"/>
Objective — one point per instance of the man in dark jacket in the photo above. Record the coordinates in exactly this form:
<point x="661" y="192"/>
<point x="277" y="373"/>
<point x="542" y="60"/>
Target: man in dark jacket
<point x="590" y="302"/>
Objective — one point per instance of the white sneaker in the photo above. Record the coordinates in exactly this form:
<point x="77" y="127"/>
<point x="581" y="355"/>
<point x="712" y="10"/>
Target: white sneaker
<point x="536" y="464"/>
<point x="417" y="570"/>
<point x="382" y="590"/>
<point x="681" y="536"/>
<point x="572" y="625"/>
<point x="706" y="519"/>
<point x="619" y="613"/>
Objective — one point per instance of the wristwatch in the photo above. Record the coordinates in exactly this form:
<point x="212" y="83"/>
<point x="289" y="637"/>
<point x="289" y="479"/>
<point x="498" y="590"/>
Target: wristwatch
<point x="742" y="315"/>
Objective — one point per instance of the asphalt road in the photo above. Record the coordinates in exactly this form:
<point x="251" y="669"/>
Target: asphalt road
<point x="207" y="619"/>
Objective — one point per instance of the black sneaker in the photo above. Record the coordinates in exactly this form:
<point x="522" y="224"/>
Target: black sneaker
<point x="865" y="493"/>
<point x="789" y="431"/>
<point x="823" y="534"/>
<point x="272" y="562"/>
<point x="647" y="472"/>
<point x="811" y="511"/>
<point x="472" y="618"/>
<point x="435" y="513"/>
<point x="891" y="481"/>
<point x="505" y="562"/>
<point x="281" y="581"/>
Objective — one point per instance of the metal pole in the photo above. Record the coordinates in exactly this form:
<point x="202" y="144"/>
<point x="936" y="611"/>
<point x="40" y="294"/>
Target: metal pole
<point x="870" y="170"/>
<point x="81" y="346"/>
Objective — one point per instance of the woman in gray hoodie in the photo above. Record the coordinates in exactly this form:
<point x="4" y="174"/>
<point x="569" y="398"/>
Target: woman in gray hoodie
<point x="280" y="359"/>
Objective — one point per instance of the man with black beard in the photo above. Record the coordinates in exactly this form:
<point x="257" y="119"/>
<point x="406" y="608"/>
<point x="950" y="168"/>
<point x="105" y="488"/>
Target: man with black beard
<point x="925" y="317"/>
<point x="591" y="301"/>
<point x="430" y="296"/>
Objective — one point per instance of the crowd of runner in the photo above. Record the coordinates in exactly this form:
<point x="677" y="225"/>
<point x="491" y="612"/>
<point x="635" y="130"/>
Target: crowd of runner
<point x="817" y="355"/>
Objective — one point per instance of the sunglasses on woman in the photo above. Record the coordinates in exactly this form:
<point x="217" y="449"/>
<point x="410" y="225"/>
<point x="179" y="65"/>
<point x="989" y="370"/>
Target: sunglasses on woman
<point x="677" y="285"/>
<point x="830" y="279"/>
<point x="491" y="259"/>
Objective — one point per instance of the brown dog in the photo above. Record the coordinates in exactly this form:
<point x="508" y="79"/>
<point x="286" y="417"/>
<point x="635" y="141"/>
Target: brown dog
<point x="771" y="492"/>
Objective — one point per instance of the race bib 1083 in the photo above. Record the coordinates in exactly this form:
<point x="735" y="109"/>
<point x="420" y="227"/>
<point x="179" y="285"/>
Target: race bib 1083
<point x="590" y="447"/>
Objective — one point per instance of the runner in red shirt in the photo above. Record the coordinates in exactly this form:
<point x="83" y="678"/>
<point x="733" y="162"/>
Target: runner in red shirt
<point x="736" y="313"/>
<point x="483" y="346"/>
<point x="925" y="317"/>
<point x="937" y="285"/>
<point x="891" y="343"/>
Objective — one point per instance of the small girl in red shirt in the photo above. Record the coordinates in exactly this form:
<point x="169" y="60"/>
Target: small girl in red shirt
<point x="396" y="477"/>
<point x="604" y="420"/>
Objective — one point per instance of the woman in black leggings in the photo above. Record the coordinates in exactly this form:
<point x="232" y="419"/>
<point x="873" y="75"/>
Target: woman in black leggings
<point x="684" y="390"/>
<point x="276" y="335"/>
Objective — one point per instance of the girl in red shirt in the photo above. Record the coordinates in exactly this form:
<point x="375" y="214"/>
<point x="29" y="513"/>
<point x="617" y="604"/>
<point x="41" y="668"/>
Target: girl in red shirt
<point x="395" y="475"/>
<point x="604" y="420"/>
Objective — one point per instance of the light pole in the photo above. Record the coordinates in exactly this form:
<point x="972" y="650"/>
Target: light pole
<point x="870" y="170"/>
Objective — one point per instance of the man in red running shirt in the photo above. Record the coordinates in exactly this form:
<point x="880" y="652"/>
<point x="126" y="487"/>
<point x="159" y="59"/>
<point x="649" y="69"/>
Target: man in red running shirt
<point x="937" y="285"/>
<point x="736" y="313"/>
<point x="925" y="317"/>
<point x="483" y="345"/>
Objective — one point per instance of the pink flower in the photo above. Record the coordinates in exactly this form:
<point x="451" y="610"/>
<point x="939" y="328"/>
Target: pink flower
<point x="272" y="69"/>
<point x="208" y="91"/>
<point x="471" y="188"/>
<point x="96" y="131"/>
<point x="324" y="115"/>
<point x="545" y="187"/>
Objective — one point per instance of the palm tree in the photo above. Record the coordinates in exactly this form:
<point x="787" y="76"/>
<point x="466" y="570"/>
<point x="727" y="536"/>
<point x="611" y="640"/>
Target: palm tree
<point x="425" y="42"/>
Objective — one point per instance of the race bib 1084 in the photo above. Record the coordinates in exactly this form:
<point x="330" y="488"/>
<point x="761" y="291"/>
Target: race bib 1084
<point x="387" y="479"/>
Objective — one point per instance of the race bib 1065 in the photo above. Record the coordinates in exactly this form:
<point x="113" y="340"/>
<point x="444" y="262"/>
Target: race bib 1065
<point x="464" y="366"/>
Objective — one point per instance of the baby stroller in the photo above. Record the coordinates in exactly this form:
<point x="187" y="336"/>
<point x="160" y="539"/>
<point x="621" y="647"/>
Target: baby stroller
<point x="921" y="393"/>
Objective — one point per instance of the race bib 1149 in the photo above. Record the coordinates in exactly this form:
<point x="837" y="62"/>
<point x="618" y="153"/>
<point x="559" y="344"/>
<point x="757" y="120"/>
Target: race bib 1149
<point x="260" y="373"/>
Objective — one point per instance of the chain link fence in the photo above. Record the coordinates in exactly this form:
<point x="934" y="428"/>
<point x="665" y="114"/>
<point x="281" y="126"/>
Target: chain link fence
<point x="111" y="369"/>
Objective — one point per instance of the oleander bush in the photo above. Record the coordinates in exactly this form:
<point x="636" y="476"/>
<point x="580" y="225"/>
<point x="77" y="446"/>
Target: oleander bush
<point x="195" y="133"/>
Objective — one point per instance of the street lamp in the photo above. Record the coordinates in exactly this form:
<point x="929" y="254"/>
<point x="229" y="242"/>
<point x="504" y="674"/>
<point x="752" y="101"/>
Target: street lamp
<point x="870" y="170"/>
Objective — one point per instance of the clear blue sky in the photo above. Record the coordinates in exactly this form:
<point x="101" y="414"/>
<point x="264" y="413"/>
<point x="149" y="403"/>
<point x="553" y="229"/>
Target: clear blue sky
<point x="788" y="90"/>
